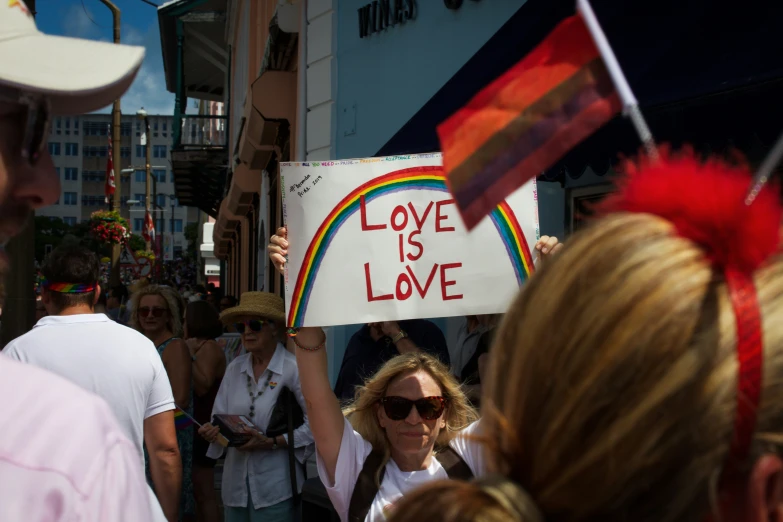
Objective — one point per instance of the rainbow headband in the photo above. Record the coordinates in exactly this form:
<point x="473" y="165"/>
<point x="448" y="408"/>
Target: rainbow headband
<point x="68" y="288"/>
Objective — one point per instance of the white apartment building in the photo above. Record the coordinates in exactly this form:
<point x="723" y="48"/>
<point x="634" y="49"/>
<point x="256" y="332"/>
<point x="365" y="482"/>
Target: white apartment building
<point x="79" y="149"/>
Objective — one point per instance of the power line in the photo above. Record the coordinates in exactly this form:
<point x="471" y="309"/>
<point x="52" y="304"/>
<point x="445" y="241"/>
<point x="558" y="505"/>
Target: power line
<point x="150" y="3"/>
<point x="87" y="14"/>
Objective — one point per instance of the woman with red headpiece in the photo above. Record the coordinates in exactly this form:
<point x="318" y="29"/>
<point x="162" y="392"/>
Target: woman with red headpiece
<point x="658" y="397"/>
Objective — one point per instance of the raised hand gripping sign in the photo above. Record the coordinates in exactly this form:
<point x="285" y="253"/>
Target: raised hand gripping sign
<point x="380" y="239"/>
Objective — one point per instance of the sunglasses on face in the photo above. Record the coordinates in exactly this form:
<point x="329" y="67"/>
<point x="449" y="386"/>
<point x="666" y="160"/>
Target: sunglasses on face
<point x="254" y="325"/>
<point x="35" y="123"/>
<point x="156" y="312"/>
<point x="398" y="408"/>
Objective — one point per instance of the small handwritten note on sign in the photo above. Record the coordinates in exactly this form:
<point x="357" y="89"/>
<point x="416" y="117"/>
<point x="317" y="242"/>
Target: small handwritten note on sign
<point x="380" y="239"/>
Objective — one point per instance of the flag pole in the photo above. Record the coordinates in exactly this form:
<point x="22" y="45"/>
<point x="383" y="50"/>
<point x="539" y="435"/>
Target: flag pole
<point x="629" y="101"/>
<point x="765" y="170"/>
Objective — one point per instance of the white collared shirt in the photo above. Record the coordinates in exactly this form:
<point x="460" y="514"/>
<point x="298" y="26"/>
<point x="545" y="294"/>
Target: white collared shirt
<point x="266" y="471"/>
<point x="113" y="361"/>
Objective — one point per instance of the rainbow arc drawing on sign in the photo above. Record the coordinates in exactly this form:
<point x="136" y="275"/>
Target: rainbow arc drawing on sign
<point x="415" y="178"/>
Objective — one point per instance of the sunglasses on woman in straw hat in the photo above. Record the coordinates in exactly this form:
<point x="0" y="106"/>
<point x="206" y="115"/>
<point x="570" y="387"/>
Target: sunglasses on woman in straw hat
<point x="268" y="308"/>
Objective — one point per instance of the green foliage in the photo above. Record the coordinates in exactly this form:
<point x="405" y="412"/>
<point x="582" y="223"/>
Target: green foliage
<point x="191" y="234"/>
<point x="136" y="242"/>
<point x="49" y="231"/>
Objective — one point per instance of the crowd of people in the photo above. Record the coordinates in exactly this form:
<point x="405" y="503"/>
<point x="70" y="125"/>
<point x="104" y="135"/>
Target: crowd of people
<point x="634" y="377"/>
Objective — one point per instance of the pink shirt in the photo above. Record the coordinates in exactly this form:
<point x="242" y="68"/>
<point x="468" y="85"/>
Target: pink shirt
<point x="62" y="453"/>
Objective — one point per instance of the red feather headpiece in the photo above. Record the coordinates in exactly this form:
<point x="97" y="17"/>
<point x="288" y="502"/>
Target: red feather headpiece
<point x="705" y="201"/>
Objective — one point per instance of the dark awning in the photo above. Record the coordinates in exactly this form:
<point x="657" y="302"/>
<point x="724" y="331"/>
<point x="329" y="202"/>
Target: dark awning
<point x="705" y="72"/>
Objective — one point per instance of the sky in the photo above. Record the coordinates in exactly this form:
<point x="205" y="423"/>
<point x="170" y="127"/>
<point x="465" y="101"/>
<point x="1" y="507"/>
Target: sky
<point x="139" y="26"/>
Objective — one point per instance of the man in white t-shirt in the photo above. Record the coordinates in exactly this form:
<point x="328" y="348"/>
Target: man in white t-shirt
<point x="115" y="362"/>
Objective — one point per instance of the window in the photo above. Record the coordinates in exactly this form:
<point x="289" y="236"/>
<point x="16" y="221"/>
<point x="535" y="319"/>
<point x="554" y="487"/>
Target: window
<point x="138" y="128"/>
<point x="125" y="152"/>
<point x="160" y="175"/>
<point x="165" y="125"/>
<point x="159" y="151"/>
<point x="96" y="152"/>
<point x="76" y="126"/>
<point x="67" y="123"/>
<point x="172" y="176"/>
<point x="177" y="225"/>
<point x="161" y="202"/>
<point x="141" y="176"/>
<point x="160" y="225"/>
<point x="141" y="151"/>
<point x="57" y="170"/>
<point x="138" y="224"/>
<point x="54" y="149"/>
<point x="59" y="125"/>
<point x="155" y="130"/>
<point x="125" y="129"/>
<point x="71" y="149"/>
<point x="71" y="174"/>
<point x="69" y="220"/>
<point x="69" y="198"/>
<point x="96" y="128"/>
<point x="140" y="198"/>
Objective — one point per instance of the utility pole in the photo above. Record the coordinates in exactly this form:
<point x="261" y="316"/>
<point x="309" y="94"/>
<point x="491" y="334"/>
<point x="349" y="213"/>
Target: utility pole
<point x="116" y="138"/>
<point x="19" y="298"/>
<point x="142" y="114"/>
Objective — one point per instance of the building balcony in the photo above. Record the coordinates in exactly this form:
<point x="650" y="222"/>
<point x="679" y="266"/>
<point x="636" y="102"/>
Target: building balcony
<point x="200" y="132"/>
<point x="199" y="160"/>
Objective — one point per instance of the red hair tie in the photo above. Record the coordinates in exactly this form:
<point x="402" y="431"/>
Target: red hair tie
<point x="706" y="204"/>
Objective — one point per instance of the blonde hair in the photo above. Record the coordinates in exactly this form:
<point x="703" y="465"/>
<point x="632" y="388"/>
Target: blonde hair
<point x="613" y="381"/>
<point x="361" y="413"/>
<point x="173" y="304"/>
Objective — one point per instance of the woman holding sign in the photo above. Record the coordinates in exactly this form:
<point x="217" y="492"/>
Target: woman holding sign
<point x="409" y="424"/>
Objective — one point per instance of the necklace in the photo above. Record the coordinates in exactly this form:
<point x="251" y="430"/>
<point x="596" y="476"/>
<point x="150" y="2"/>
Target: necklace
<point x="254" y="396"/>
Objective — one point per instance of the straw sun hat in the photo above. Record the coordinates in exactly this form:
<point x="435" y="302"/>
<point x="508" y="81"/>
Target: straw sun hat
<point x="261" y="304"/>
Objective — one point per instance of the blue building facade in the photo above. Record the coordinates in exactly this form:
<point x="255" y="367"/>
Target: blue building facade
<point x="388" y="64"/>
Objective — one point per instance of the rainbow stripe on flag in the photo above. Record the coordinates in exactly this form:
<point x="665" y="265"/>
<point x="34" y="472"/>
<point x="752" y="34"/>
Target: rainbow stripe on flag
<point x="182" y="421"/>
<point x="526" y="120"/>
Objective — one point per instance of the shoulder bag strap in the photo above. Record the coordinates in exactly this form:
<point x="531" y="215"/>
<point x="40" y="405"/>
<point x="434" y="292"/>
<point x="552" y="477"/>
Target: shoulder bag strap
<point x="291" y="457"/>
<point x="366" y="488"/>
<point x="454" y="465"/>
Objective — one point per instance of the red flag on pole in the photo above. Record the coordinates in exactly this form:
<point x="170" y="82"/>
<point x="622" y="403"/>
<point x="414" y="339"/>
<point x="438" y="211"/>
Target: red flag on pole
<point x="148" y="232"/>
<point x="108" y="189"/>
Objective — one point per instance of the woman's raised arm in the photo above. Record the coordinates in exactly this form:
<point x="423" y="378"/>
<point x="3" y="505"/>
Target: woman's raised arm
<point x="323" y="409"/>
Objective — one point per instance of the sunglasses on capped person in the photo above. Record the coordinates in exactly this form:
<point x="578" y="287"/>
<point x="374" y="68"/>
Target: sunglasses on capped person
<point x="145" y="311"/>
<point x="34" y="125"/>
<point x="254" y="325"/>
<point x="398" y="408"/>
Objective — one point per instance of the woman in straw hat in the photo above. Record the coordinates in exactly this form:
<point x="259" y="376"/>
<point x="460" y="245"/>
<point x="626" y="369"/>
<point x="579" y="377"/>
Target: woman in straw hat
<point x="659" y="397"/>
<point x="256" y="479"/>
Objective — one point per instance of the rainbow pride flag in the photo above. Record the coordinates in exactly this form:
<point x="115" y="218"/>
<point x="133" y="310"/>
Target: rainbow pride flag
<point x="182" y="421"/>
<point x="526" y="120"/>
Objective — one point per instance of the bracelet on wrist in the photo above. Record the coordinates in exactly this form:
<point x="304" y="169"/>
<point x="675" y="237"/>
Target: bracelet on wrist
<point x="309" y="348"/>
<point x="400" y="336"/>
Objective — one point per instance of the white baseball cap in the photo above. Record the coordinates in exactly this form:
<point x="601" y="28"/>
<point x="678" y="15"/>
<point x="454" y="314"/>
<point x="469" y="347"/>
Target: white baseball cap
<point x="78" y="76"/>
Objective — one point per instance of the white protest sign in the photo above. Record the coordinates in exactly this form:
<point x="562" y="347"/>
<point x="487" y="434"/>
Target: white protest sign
<point x="380" y="239"/>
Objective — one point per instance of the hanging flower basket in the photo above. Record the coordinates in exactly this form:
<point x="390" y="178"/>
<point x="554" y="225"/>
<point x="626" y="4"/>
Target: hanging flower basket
<point x="146" y="254"/>
<point x="109" y="227"/>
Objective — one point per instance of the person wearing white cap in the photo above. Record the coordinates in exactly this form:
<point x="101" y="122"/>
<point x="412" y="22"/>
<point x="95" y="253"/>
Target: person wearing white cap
<point x="63" y="454"/>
